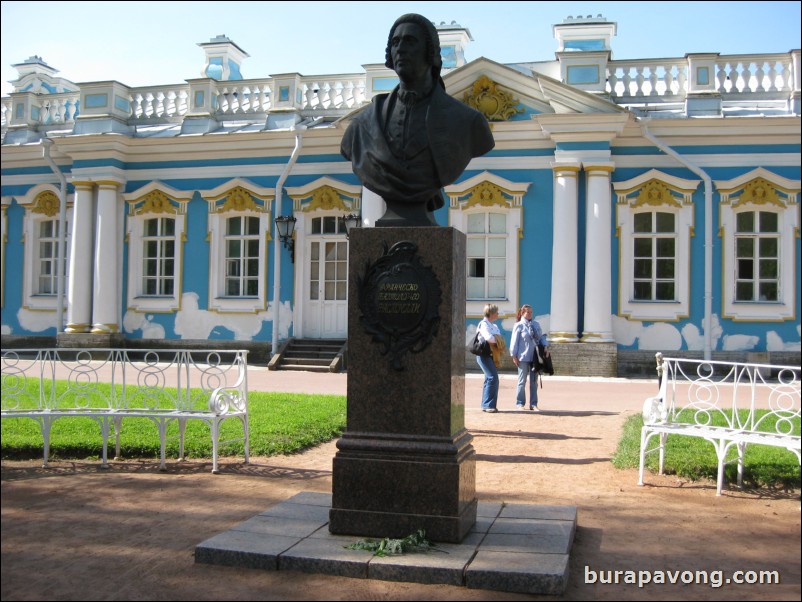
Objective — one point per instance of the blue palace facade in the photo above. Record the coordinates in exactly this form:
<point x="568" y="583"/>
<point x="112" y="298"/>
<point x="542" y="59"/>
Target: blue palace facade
<point x="638" y="205"/>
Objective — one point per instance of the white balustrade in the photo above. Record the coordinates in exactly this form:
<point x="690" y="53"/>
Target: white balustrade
<point x="754" y="74"/>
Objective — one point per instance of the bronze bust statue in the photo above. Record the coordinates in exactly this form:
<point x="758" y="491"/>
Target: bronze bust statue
<point x="406" y="145"/>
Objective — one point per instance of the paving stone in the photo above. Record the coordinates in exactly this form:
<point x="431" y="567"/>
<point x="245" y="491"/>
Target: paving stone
<point x="521" y="572"/>
<point x="536" y="511"/>
<point x="325" y="556"/>
<point x="307" y="512"/>
<point x="279" y="525"/>
<point x="245" y="549"/>
<point x="445" y="564"/>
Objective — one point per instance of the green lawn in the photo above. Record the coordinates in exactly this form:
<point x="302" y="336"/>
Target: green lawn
<point x="280" y="423"/>
<point x="693" y="458"/>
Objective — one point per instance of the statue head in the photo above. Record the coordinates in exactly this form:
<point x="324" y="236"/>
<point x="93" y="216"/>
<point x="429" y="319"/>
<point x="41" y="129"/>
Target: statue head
<point x="432" y="43"/>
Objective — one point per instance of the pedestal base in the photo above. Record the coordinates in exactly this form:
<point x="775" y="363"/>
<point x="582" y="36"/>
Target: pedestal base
<point x="405" y="461"/>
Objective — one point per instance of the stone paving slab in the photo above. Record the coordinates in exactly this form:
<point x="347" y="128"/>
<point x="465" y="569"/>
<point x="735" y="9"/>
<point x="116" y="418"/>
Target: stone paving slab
<point x="513" y="547"/>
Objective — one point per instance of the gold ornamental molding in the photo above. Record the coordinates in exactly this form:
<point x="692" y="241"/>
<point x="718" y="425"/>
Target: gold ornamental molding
<point x="325" y="198"/>
<point x="486" y="190"/>
<point x="759" y="192"/>
<point x="655" y="193"/>
<point x="486" y="194"/>
<point x="655" y="189"/>
<point x="494" y="103"/>
<point x="238" y="199"/>
<point x="155" y="202"/>
<point x="46" y="203"/>
<point x="759" y="187"/>
<point x="326" y="194"/>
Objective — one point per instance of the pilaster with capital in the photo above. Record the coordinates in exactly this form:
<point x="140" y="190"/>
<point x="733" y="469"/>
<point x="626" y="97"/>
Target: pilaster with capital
<point x="598" y="325"/>
<point x="79" y="298"/>
<point x="564" y="289"/>
<point x="106" y="291"/>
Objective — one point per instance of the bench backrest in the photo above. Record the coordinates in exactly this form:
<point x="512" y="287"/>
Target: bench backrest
<point x="708" y="393"/>
<point x="124" y="379"/>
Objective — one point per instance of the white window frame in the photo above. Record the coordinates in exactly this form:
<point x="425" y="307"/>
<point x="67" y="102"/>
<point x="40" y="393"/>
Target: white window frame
<point x="654" y="192"/>
<point x="489" y="193"/>
<point x="218" y="300"/>
<point x="41" y="209"/>
<point x="155" y="204"/>
<point x="760" y="190"/>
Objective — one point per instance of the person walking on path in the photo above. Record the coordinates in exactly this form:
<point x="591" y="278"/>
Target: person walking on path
<point x="489" y="331"/>
<point x="526" y="336"/>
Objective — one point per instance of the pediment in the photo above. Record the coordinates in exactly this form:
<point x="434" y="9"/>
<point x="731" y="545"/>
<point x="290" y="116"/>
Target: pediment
<point x="538" y="93"/>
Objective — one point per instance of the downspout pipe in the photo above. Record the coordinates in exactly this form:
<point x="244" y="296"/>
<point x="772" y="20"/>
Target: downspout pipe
<point x="47" y="143"/>
<point x="276" y="250"/>
<point x="708" y="265"/>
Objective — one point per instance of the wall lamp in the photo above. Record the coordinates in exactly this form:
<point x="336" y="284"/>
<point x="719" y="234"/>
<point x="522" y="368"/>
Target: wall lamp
<point x="351" y="221"/>
<point x="286" y="226"/>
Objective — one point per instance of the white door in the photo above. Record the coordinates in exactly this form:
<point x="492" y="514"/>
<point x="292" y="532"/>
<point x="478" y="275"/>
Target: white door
<point x="326" y="286"/>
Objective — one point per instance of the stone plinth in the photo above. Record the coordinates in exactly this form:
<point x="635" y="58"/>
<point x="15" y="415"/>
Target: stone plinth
<point x="405" y="461"/>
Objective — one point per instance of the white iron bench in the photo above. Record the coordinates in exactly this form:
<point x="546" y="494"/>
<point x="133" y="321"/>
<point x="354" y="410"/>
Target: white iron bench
<point x="719" y="402"/>
<point x="165" y="386"/>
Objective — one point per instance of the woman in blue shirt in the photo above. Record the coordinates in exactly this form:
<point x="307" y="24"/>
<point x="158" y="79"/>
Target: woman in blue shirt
<point x="488" y="332"/>
<point x="526" y="335"/>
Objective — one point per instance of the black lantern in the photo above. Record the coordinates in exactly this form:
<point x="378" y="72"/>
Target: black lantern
<point x="351" y="221"/>
<point x="286" y="226"/>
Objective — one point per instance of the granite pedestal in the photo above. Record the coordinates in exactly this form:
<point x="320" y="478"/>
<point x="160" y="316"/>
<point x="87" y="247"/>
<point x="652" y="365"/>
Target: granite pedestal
<point x="405" y="461"/>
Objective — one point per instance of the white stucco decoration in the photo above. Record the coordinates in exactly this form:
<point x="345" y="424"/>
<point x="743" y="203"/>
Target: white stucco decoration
<point x="775" y="343"/>
<point x="660" y="337"/>
<point x="626" y="332"/>
<point x="694" y="337"/>
<point x="36" y="321"/>
<point x="6" y="329"/>
<point x="194" y="323"/>
<point x="739" y="342"/>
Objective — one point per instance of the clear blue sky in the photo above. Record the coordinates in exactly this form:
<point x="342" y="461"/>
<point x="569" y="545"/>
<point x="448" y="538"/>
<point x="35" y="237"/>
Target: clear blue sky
<point x="153" y="43"/>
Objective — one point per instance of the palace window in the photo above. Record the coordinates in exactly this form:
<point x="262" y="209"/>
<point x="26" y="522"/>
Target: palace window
<point x="41" y="231"/>
<point x="156" y="225"/>
<point x="158" y="257"/>
<point x="239" y="230"/>
<point x="654" y="256"/>
<point x="757" y="259"/>
<point x="486" y="256"/>
<point x="655" y="222"/>
<point x="759" y="224"/>
<point x="488" y="209"/>
<point x="242" y="257"/>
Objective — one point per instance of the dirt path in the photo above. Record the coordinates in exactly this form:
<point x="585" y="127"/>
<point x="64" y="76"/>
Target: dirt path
<point x="73" y="532"/>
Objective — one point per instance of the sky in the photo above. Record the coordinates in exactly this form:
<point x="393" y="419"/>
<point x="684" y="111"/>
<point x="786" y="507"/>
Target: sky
<point x="155" y="43"/>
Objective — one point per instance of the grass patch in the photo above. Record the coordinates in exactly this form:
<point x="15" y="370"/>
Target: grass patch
<point x="280" y="423"/>
<point x="693" y="458"/>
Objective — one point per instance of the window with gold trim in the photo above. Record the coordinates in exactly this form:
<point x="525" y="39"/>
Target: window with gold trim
<point x="155" y="228"/>
<point x="759" y="224"/>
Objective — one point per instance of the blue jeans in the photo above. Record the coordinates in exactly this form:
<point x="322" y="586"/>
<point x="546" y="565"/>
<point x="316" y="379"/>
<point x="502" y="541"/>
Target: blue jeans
<point x="490" y="389"/>
<point x="524" y="372"/>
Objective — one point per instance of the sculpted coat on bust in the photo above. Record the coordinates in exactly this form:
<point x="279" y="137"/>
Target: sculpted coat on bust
<point x="407" y="145"/>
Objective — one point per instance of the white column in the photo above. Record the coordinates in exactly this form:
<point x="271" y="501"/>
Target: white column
<point x="79" y="290"/>
<point x="564" y="286"/>
<point x="105" y="308"/>
<point x="598" y="324"/>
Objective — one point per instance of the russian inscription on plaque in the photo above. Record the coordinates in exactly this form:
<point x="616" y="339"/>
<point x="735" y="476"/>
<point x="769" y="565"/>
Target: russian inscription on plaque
<point x="399" y="301"/>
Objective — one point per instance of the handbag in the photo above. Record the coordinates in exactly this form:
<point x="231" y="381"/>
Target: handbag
<point x="543" y="363"/>
<point x="478" y="345"/>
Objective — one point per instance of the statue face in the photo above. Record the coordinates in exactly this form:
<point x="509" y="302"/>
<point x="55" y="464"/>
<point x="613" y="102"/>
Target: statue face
<point x="408" y="51"/>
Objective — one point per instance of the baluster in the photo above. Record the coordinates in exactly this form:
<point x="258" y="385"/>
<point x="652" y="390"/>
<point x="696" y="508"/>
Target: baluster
<point x="183" y="98"/>
<point x="756" y="81"/>
<point x="612" y="82"/>
<point x="723" y="77"/>
<point x="653" y="80"/>
<point x="772" y="73"/>
<point x="639" y="81"/>
<point x="359" y="92"/>
<point x="223" y="101"/>
<point x="627" y="82"/>
<point x="669" y="81"/>
<point x="308" y="96"/>
<point x="337" y="95"/>
<point x="264" y="96"/>
<point x="169" y="104"/>
<point x="348" y="94"/>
